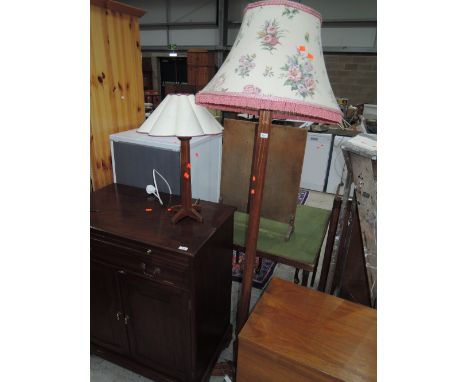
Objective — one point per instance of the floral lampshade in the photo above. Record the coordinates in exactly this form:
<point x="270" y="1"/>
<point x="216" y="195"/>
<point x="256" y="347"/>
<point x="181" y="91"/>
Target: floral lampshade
<point x="276" y="63"/>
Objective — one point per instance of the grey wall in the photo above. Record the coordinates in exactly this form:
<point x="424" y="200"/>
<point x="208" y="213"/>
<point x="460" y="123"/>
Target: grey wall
<point x="330" y="9"/>
<point x="353" y="76"/>
<point x="335" y="37"/>
<point x="178" y="11"/>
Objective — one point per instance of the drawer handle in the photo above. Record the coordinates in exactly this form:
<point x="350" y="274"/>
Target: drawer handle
<point x="119" y="315"/>
<point x="148" y="271"/>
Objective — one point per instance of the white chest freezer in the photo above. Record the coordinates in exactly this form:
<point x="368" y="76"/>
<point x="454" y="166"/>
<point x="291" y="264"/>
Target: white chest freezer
<point x="135" y="155"/>
<point x="314" y="168"/>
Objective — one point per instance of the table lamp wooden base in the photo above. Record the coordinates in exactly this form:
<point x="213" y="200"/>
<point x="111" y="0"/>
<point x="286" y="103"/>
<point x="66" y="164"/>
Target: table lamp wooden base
<point x="182" y="212"/>
<point x="186" y="209"/>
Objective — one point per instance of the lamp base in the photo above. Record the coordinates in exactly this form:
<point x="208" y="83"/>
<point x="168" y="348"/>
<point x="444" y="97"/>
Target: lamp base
<point x="182" y="212"/>
<point x="186" y="208"/>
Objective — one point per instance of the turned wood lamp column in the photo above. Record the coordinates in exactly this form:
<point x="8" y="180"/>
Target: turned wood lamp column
<point x="186" y="208"/>
<point x="256" y="195"/>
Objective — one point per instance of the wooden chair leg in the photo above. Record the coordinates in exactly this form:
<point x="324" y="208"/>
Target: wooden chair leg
<point x="296" y="276"/>
<point x="329" y="245"/>
<point x="305" y="277"/>
<point x="314" y="273"/>
<point x="317" y="259"/>
<point x="259" y="266"/>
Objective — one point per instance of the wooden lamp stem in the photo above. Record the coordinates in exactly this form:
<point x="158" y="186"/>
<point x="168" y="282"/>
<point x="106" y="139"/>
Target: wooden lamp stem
<point x="186" y="209"/>
<point x="262" y="139"/>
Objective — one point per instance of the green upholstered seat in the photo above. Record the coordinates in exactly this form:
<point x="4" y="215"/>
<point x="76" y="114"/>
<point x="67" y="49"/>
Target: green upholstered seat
<point x="305" y="243"/>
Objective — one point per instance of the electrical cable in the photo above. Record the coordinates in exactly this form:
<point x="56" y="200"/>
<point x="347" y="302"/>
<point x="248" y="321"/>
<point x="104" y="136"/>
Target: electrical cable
<point x="156" y="193"/>
<point x="168" y="186"/>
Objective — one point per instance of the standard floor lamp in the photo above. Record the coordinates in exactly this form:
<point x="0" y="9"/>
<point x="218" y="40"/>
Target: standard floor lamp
<point x="275" y="70"/>
<point x="179" y="116"/>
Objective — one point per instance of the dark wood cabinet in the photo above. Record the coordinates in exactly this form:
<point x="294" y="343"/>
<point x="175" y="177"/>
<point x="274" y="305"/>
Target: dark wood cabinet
<point x="160" y="293"/>
<point x="201" y="67"/>
<point x="155" y="340"/>
<point x="179" y="89"/>
<point x="107" y="312"/>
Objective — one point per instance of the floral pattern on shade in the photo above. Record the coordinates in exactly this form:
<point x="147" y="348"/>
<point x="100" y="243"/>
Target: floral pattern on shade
<point x="251" y="89"/>
<point x="270" y="35"/>
<point x="299" y="72"/>
<point x="289" y="13"/>
<point x="246" y="64"/>
<point x="219" y="81"/>
<point x="268" y="72"/>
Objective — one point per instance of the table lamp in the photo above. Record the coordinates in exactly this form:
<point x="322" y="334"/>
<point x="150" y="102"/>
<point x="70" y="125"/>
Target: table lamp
<point x="178" y="115"/>
<point x="275" y="69"/>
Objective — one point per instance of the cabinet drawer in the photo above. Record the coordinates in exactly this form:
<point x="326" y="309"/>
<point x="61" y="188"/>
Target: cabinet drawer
<point x="146" y="262"/>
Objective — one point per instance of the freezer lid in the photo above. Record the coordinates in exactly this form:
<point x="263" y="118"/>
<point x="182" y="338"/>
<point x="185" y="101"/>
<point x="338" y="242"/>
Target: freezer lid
<point x="168" y="143"/>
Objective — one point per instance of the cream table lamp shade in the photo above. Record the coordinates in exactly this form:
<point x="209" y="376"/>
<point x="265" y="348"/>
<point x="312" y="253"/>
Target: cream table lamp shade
<point x="178" y="115"/>
<point x="276" y="63"/>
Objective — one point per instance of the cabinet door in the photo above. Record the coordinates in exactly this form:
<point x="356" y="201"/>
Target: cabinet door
<point x="158" y="324"/>
<point x="107" y="317"/>
<point x="192" y="74"/>
<point x="204" y="75"/>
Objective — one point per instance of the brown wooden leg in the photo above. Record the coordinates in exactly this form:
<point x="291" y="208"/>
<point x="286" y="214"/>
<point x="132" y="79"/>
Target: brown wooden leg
<point x="186" y="209"/>
<point x="314" y="273"/>
<point x="190" y="213"/>
<point x="329" y="245"/>
<point x="259" y="266"/>
<point x="256" y="193"/>
<point x="305" y="277"/>
<point x="296" y="276"/>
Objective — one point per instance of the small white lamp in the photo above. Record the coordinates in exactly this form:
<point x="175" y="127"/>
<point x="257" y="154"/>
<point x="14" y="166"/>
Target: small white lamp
<point x="178" y="115"/>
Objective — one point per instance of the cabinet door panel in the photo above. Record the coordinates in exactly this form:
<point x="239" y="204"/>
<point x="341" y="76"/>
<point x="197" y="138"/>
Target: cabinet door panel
<point x="107" y="329"/>
<point x="158" y="324"/>
<point x="192" y="75"/>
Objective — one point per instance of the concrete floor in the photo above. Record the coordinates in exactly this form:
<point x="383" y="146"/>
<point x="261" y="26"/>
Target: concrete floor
<point x="104" y="371"/>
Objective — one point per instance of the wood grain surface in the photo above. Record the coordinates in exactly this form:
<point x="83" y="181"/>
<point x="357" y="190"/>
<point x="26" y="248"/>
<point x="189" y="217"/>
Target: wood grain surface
<point x="117" y="97"/>
<point x="128" y="212"/>
<point x="298" y="334"/>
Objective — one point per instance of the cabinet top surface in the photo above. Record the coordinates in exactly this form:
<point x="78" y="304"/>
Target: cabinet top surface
<point x="129" y="213"/>
<point x="298" y="325"/>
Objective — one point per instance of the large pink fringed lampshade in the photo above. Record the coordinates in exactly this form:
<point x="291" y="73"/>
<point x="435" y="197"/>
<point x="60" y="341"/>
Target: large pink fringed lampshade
<point x="276" y="64"/>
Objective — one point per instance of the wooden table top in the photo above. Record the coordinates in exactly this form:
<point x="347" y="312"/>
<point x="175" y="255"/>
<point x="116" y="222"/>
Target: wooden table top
<point x="301" y="326"/>
<point x="130" y="213"/>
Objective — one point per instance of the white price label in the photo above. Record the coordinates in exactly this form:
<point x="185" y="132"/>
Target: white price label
<point x="182" y="248"/>
<point x="264" y="135"/>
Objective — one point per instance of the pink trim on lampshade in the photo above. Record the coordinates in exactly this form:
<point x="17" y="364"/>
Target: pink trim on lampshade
<point x="282" y="108"/>
<point x="291" y="4"/>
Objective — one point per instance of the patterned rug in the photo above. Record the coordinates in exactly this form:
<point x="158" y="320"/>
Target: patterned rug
<point x="262" y="275"/>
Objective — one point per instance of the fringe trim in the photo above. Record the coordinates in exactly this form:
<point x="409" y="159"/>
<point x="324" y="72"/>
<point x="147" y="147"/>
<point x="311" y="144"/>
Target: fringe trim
<point x="282" y="108"/>
<point x="291" y="4"/>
